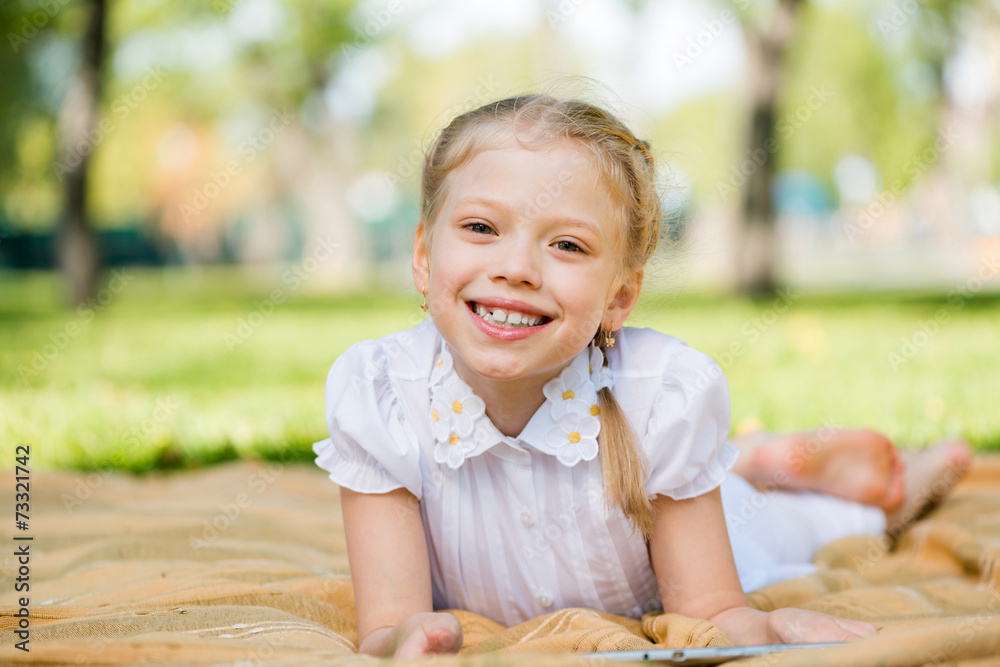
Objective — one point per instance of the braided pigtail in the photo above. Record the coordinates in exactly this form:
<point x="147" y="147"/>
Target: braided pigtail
<point x="622" y="459"/>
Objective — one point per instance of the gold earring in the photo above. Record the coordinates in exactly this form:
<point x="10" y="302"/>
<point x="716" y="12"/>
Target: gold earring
<point x="609" y="339"/>
<point x="423" y="306"/>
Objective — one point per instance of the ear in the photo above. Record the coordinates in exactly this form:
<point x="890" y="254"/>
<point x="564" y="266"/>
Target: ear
<point x="623" y="301"/>
<point x="421" y="261"/>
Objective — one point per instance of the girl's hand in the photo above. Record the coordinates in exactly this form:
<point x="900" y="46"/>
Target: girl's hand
<point x="418" y="635"/>
<point x="693" y="561"/>
<point x="391" y="572"/>
<point x="746" y="626"/>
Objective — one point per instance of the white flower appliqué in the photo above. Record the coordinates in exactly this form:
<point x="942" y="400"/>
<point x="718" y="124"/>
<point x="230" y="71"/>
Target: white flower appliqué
<point x="566" y="427"/>
<point x="570" y="391"/>
<point x="454" y="413"/>
<point x="442" y="369"/>
<point x="600" y="374"/>
<point x="575" y="438"/>
<point x="575" y="410"/>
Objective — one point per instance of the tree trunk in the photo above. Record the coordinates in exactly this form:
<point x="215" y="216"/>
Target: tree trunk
<point x="756" y="248"/>
<point x="76" y="247"/>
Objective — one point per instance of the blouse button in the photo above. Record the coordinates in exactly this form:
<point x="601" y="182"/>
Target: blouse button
<point x="527" y="519"/>
<point x="545" y="601"/>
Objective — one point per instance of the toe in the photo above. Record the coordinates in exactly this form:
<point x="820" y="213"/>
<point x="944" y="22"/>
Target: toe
<point x="896" y="490"/>
<point x="959" y="455"/>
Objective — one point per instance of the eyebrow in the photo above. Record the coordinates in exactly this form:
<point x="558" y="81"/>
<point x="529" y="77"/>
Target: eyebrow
<point x="483" y="201"/>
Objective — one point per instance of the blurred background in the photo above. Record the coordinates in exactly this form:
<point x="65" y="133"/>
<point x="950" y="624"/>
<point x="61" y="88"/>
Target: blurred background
<point x="203" y="204"/>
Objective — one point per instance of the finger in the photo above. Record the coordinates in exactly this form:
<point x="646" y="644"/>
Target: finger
<point x="444" y="633"/>
<point x="414" y="645"/>
<point x="796" y="626"/>
<point x="857" y="629"/>
<point x="434" y="633"/>
<point x="834" y="629"/>
<point x="444" y="640"/>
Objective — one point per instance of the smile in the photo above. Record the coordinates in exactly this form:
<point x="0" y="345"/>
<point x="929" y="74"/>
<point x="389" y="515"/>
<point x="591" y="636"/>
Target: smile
<point x="507" y="318"/>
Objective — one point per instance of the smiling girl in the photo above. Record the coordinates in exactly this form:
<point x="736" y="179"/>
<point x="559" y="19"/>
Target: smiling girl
<point x="521" y="451"/>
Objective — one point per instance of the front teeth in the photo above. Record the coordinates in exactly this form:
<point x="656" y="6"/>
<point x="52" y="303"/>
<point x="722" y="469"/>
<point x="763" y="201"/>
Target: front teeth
<point x="512" y="319"/>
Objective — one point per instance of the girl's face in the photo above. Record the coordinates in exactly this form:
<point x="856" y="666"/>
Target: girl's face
<point x="522" y="269"/>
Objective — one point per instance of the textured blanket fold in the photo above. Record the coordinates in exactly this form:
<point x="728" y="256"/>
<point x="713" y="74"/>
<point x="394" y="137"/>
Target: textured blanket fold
<point x="246" y="563"/>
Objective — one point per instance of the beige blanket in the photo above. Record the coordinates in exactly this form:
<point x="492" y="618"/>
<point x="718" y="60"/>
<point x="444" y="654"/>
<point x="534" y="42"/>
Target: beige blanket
<point x="245" y="564"/>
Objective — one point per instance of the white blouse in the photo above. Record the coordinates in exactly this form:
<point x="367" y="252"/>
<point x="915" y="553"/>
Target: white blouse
<point x="518" y="527"/>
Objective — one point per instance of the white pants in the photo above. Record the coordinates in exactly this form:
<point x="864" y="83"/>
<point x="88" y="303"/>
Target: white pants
<point x="775" y="534"/>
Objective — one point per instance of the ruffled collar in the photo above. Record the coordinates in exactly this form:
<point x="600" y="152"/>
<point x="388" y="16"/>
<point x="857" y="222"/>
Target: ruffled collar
<point x="565" y="426"/>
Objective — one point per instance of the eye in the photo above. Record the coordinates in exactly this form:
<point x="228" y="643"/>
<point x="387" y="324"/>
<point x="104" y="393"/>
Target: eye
<point x="568" y="246"/>
<point x="478" y="228"/>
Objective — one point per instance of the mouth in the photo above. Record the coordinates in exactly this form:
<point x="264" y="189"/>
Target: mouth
<point x="507" y="319"/>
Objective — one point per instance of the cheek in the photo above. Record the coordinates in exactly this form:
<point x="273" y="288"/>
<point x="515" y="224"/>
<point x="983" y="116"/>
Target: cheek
<point x="579" y="333"/>
<point x="450" y="271"/>
<point x="584" y="298"/>
<point x="586" y="292"/>
<point x="586" y="303"/>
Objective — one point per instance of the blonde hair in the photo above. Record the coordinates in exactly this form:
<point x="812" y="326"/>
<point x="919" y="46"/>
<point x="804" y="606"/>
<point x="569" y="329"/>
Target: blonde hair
<point x="627" y="169"/>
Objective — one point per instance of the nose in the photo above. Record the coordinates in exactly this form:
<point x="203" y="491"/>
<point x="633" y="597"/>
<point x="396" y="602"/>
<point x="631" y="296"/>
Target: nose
<point x="516" y="261"/>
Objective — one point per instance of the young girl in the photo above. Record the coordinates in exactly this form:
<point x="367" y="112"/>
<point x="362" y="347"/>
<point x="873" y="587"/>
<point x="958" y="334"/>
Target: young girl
<point x="520" y="451"/>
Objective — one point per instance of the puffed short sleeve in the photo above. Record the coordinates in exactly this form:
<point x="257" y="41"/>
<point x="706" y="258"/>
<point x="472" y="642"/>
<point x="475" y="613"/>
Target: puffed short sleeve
<point x="371" y="449"/>
<point x="686" y="443"/>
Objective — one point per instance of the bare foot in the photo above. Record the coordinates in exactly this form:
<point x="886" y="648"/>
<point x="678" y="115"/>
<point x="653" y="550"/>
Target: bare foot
<point x="859" y="465"/>
<point x="930" y="475"/>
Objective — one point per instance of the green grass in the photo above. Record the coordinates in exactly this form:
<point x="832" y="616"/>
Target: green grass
<point x="150" y="380"/>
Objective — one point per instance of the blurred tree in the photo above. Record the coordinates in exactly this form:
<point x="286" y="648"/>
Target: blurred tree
<point x="768" y="29"/>
<point x="76" y="247"/>
<point x="32" y="60"/>
<point x="63" y="91"/>
<point x="862" y="109"/>
<point x="40" y="36"/>
<point x="756" y="246"/>
<point x="931" y="33"/>
<point x="19" y="97"/>
<point x="931" y="29"/>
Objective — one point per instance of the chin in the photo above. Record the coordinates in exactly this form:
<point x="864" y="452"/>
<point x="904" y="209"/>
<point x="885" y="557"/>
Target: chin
<point x="498" y="370"/>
